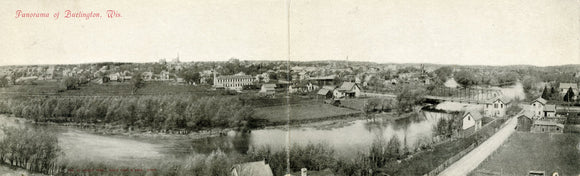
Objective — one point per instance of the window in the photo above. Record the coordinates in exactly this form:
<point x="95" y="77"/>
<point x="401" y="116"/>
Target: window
<point x="494" y="105"/>
<point x="501" y="105"/>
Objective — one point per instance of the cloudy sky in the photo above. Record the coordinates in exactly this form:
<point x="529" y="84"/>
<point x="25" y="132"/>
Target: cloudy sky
<point x="494" y="32"/>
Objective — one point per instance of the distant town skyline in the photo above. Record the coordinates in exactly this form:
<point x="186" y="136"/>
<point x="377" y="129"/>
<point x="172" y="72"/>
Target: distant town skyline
<point x="514" y="32"/>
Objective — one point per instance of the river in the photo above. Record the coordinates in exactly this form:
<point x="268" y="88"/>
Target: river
<point x="346" y="139"/>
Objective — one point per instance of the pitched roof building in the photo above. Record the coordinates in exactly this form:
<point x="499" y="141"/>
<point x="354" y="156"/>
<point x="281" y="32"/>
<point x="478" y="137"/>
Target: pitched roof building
<point x="258" y="168"/>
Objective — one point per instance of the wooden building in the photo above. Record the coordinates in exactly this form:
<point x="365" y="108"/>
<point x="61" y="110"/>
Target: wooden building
<point x="543" y="126"/>
<point x="472" y="119"/>
<point x="525" y="121"/>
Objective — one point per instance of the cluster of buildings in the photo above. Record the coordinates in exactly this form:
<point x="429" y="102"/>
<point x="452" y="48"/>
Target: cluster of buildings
<point x="541" y="117"/>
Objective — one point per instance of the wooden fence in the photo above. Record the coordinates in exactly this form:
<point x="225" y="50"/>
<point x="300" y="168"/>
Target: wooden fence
<point x="486" y="131"/>
<point x="451" y="160"/>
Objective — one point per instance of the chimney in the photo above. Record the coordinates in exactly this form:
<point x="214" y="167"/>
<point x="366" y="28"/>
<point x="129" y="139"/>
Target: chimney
<point x="303" y="172"/>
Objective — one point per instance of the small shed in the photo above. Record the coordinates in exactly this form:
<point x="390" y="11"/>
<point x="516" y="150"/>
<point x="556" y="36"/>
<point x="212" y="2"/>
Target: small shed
<point x="525" y="121"/>
<point x="472" y="119"/>
<point x="327" y="94"/>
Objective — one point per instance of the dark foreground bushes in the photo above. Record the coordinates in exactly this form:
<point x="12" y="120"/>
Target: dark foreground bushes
<point x="31" y="149"/>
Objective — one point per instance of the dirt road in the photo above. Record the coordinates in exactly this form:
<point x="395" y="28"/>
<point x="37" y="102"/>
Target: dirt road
<point x="470" y="161"/>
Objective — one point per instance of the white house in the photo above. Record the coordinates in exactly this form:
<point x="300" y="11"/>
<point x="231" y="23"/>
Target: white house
<point x="542" y="109"/>
<point x="471" y="119"/>
<point x="538" y="106"/>
<point x="496" y="107"/>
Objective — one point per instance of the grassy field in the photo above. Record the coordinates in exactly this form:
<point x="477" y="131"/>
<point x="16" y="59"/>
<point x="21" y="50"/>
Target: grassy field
<point x="299" y="112"/>
<point x="535" y="151"/>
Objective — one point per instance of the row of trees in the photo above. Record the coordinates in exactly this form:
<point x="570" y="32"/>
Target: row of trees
<point x="29" y="149"/>
<point x="382" y="155"/>
<point x="144" y="112"/>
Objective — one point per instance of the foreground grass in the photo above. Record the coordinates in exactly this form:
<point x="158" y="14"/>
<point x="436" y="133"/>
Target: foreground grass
<point x="535" y="151"/>
<point x="299" y="112"/>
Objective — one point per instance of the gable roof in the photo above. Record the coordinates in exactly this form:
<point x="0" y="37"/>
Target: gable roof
<point x="527" y="113"/>
<point x="475" y="114"/>
<point x="258" y="168"/>
<point x="500" y="98"/>
<point x="568" y="85"/>
<point x="541" y="100"/>
<point x="323" y="91"/>
<point x="348" y="86"/>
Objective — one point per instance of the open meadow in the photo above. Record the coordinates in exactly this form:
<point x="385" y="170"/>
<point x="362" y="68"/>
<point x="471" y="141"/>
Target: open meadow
<point x="524" y="152"/>
<point x="300" y="112"/>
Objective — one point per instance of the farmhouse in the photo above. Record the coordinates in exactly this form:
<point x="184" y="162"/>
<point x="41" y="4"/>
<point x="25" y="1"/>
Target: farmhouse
<point x="541" y="109"/>
<point x="542" y="126"/>
<point x="232" y="81"/>
<point x="496" y="107"/>
<point x="258" y="168"/>
<point x="472" y="119"/>
<point x="350" y="89"/>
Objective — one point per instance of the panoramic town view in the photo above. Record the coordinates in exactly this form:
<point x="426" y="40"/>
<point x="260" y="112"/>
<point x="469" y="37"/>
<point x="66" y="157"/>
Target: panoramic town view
<point x="290" y="88"/>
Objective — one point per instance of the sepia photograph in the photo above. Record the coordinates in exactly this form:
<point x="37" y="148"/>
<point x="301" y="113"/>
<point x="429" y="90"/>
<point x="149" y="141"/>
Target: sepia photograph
<point x="290" y="88"/>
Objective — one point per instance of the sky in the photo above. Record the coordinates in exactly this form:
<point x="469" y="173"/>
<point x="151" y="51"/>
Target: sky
<point x="494" y="32"/>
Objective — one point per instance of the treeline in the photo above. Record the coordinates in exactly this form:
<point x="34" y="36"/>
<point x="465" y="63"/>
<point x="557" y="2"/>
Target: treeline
<point x="382" y="157"/>
<point x="30" y="149"/>
<point x="152" y="113"/>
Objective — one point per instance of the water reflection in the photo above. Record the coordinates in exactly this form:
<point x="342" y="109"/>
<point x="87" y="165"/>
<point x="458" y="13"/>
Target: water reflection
<point x="357" y="136"/>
